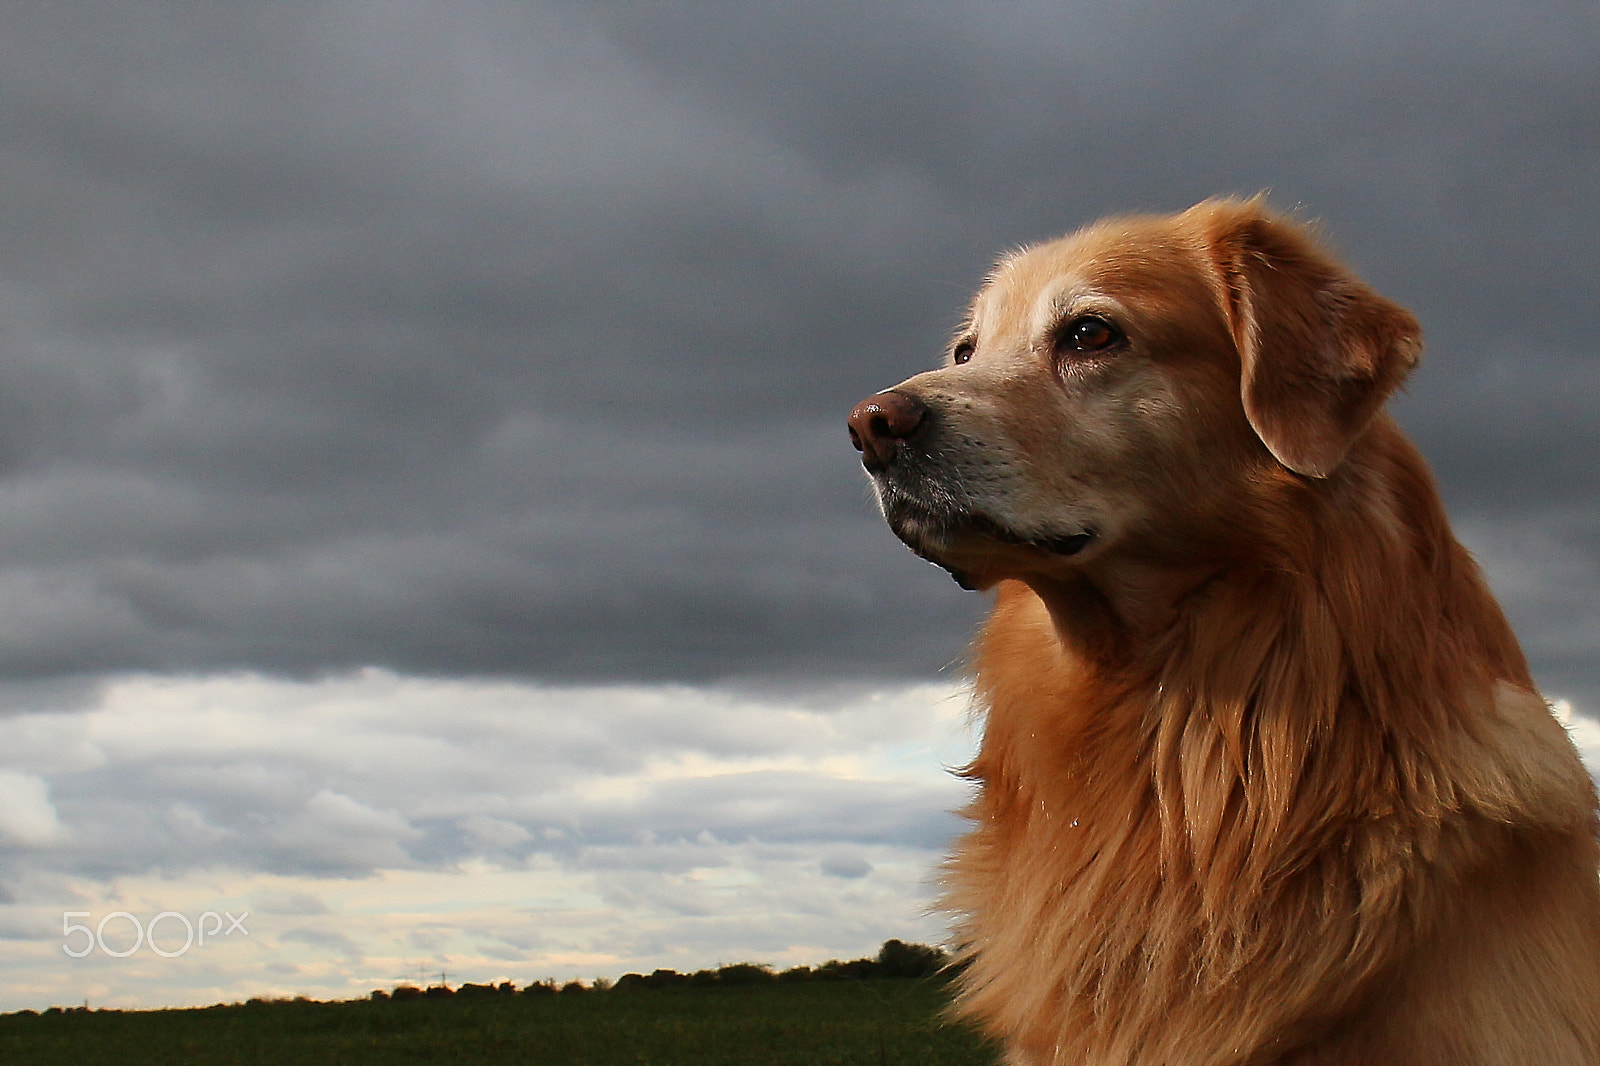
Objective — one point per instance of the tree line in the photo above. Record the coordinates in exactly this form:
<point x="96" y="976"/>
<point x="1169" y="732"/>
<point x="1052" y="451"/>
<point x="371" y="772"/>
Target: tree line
<point x="895" y="959"/>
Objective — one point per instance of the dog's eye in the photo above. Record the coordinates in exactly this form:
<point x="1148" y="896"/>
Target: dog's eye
<point x="1088" y="333"/>
<point x="962" y="352"/>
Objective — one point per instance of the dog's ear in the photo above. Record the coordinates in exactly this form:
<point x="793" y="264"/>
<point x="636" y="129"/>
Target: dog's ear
<point x="1319" y="351"/>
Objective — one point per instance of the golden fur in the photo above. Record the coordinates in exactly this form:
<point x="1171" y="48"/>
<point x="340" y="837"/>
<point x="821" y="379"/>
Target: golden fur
<point x="1264" y="778"/>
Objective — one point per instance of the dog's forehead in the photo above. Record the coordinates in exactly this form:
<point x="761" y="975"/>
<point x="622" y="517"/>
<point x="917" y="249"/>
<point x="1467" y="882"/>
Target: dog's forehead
<point x="1120" y="260"/>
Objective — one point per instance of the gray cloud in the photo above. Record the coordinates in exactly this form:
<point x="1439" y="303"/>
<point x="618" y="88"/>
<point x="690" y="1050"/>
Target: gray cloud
<point x="290" y="903"/>
<point x="514" y="340"/>
<point x="847" y="865"/>
<point x="331" y="942"/>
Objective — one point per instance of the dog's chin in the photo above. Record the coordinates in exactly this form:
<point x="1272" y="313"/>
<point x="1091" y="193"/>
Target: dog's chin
<point x="977" y="550"/>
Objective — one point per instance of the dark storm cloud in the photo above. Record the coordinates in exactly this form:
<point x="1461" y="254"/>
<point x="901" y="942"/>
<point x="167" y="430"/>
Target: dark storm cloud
<point x="505" y="338"/>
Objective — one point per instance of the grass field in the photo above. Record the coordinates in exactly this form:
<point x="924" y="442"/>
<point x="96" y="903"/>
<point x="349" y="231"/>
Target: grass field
<point x="884" y="1022"/>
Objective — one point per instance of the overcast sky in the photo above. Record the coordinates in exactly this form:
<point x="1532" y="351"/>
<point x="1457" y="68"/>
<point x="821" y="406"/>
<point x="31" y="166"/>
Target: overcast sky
<point x="423" y="480"/>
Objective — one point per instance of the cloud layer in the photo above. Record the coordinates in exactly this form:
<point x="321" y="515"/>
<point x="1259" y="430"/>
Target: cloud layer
<point x="426" y="518"/>
<point x="517" y="339"/>
<point x="486" y="829"/>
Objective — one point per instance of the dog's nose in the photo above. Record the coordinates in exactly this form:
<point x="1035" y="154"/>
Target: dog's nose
<point x="880" y="423"/>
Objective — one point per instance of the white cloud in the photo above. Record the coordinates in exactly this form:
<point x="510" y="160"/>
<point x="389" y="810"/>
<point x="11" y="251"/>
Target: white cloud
<point x="374" y="825"/>
<point x="47" y="742"/>
<point x="1584" y="731"/>
<point x="335" y="833"/>
<point x="27" y="817"/>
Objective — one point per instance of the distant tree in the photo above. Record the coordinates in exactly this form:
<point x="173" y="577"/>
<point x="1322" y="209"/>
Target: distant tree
<point x="899" y="959"/>
<point x="895" y="959"/>
<point x="660" y="978"/>
<point x="744" y="973"/>
<point x="855" y="969"/>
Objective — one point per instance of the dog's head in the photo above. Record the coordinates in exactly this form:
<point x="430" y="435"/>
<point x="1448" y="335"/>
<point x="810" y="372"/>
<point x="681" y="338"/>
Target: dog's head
<point x="1118" y="393"/>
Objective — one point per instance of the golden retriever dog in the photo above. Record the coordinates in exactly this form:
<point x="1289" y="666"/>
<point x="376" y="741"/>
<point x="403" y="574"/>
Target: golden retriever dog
<point x="1264" y="778"/>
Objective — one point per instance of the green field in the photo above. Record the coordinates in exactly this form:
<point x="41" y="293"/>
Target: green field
<point x="880" y="1022"/>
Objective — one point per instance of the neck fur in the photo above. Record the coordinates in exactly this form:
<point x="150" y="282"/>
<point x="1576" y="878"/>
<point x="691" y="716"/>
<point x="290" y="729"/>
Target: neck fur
<point x="1280" y="744"/>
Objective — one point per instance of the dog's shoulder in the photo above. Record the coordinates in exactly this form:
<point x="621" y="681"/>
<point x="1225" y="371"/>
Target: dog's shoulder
<point x="1514" y="762"/>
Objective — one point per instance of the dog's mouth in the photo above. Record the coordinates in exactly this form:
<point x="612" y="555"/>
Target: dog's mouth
<point x="1065" y="545"/>
<point x="1053" y="544"/>
<point x="937" y="535"/>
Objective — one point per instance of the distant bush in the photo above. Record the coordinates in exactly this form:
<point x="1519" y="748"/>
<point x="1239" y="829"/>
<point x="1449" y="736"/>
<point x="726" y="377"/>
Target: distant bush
<point x="744" y="973"/>
<point x="855" y="969"/>
<point x="658" y="978"/>
<point x="504" y="988"/>
<point x="899" y="959"/>
<point x="896" y="959"/>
